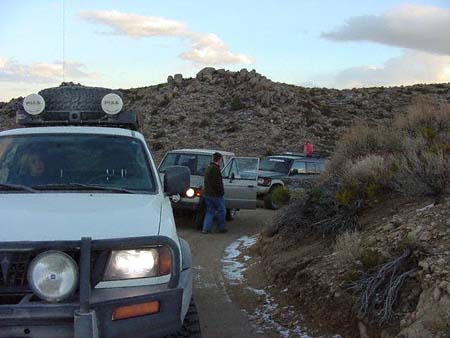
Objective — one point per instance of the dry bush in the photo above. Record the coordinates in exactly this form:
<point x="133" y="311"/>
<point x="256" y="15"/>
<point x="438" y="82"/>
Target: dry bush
<point x="363" y="140"/>
<point x="423" y="172"/>
<point x="379" y="290"/>
<point x="371" y="169"/>
<point x="348" y="249"/>
<point x="425" y="118"/>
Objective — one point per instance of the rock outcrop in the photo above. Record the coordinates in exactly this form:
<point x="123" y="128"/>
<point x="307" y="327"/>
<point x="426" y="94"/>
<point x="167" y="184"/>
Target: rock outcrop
<point x="249" y="114"/>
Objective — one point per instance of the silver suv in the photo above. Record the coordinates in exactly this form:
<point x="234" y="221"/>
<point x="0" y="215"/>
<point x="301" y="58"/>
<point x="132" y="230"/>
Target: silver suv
<point x="239" y="178"/>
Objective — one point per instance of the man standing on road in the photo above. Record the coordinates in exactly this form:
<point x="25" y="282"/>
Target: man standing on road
<point x="213" y="196"/>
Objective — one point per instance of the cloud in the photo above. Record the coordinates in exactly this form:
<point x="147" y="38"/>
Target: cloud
<point x="41" y="72"/>
<point x="410" y="68"/>
<point x="210" y="49"/>
<point x="206" y="48"/>
<point x="135" y="25"/>
<point x="417" y="27"/>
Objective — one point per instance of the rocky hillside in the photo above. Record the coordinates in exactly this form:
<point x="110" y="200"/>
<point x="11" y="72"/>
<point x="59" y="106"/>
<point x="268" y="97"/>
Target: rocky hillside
<point x="320" y="285"/>
<point x="251" y="115"/>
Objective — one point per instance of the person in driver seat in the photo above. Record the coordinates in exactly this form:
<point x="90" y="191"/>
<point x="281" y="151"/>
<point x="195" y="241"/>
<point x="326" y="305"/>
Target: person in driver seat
<point x="33" y="170"/>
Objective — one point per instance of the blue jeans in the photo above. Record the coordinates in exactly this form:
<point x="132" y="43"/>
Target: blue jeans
<point x="215" y="206"/>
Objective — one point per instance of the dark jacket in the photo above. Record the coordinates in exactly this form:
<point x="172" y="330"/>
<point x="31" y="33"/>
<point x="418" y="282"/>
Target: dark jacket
<point x="213" y="181"/>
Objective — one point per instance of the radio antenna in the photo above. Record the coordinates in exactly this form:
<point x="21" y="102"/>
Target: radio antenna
<point x="63" y="42"/>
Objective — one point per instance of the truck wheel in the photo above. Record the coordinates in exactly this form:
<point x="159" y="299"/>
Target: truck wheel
<point x="268" y="200"/>
<point x="191" y="325"/>
<point x="230" y="214"/>
<point x="75" y="98"/>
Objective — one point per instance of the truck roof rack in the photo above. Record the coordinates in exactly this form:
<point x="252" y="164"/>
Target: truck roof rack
<point x="316" y="154"/>
<point x="76" y="105"/>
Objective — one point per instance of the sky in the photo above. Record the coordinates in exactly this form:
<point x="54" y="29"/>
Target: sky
<point x="135" y="43"/>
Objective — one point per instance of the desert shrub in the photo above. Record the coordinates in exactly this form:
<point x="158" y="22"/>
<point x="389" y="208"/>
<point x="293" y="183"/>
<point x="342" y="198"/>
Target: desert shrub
<point x="425" y="118"/>
<point x="410" y="155"/>
<point x="281" y="195"/>
<point x="347" y="249"/>
<point x="370" y="259"/>
<point x="363" y="140"/>
<point x="422" y="171"/>
<point x="378" y="291"/>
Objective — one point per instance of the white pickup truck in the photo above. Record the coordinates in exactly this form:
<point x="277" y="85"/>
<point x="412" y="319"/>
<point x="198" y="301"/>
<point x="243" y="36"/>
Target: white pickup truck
<point x="88" y="243"/>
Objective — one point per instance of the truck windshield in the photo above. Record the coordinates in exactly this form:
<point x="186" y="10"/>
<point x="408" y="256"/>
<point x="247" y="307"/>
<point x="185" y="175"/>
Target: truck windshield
<point x="197" y="164"/>
<point x="278" y="165"/>
<point x="75" y="162"/>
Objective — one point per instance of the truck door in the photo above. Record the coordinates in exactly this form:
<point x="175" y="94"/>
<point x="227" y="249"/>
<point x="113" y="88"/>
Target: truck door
<point x="240" y="182"/>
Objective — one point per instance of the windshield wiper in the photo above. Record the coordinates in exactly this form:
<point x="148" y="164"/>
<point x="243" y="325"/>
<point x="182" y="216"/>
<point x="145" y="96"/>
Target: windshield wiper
<point x="80" y="186"/>
<point x="15" y="187"/>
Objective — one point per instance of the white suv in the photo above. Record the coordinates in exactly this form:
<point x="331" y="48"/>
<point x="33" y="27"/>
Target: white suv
<point x="88" y="243"/>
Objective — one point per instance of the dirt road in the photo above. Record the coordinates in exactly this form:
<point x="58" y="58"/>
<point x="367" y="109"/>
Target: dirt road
<point x="220" y="312"/>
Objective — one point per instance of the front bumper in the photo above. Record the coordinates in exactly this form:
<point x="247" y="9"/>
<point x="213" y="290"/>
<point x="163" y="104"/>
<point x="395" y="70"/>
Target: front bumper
<point x="66" y="321"/>
<point x="91" y="316"/>
<point x="186" y="203"/>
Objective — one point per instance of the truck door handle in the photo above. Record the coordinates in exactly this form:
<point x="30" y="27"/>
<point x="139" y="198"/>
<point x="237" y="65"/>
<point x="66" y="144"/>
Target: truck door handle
<point x="250" y="186"/>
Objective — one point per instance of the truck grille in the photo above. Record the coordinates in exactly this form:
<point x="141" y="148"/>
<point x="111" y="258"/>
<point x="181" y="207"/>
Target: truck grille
<point x="13" y="268"/>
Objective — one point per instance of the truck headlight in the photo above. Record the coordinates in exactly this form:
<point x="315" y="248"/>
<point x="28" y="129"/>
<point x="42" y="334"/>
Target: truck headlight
<point x="190" y="193"/>
<point x="53" y="275"/>
<point x="264" y="181"/>
<point x="142" y="263"/>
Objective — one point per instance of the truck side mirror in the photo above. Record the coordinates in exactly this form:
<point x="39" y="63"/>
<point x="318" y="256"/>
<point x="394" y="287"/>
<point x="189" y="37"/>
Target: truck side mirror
<point x="177" y="180"/>
<point x="294" y="172"/>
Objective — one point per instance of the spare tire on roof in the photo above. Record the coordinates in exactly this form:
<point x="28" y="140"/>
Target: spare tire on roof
<point x="75" y="98"/>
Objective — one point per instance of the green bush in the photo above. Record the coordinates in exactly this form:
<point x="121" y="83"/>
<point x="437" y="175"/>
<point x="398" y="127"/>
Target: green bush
<point x="370" y="259"/>
<point x="281" y="195"/>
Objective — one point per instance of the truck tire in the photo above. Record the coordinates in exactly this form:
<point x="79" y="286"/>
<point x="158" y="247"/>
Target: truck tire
<point x="268" y="199"/>
<point x="230" y="214"/>
<point x="191" y="324"/>
<point x="75" y="98"/>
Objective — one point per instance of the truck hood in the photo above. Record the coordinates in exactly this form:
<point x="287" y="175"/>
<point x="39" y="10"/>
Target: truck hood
<point x="271" y="174"/>
<point x="70" y="216"/>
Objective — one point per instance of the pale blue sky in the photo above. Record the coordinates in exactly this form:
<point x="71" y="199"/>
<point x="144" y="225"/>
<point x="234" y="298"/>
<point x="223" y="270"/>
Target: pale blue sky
<point x="280" y="39"/>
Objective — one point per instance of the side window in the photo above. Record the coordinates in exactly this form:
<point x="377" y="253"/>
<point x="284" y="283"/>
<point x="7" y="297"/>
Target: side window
<point x="169" y="160"/>
<point x="226" y="171"/>
<point x="203" y="162"/>
<point x="234" y="172"/>
<point x="244" y="168"/>
<point x="298" y="167"/>
<point x="310" y="167"/>
<point x="314" y="167"/>
<point x="188" y="160"/>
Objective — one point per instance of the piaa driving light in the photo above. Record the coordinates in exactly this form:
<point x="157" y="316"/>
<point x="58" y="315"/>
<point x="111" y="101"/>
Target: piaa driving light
<point x="190" y="192"/>
<point x="53" y="276"/>
<point x="34" y="104"/>
<point x="130" y="264"/>
<point x="112" y="104"/>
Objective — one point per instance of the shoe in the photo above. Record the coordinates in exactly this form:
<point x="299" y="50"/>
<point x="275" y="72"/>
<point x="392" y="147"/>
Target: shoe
<point x="206" y="232"/>
<point x="222" y="231"/>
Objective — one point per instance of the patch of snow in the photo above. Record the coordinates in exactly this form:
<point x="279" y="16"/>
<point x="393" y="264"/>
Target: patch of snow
<point x="263" y="316"/>
<point x="425" y="208"/>
<point x="232" y="268"/>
